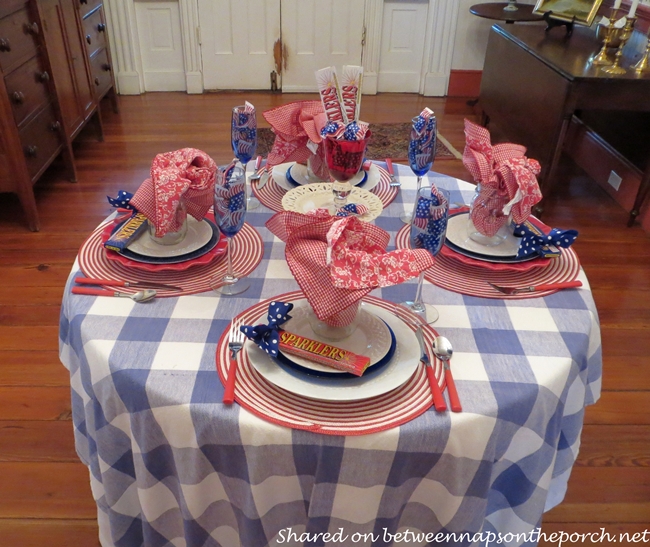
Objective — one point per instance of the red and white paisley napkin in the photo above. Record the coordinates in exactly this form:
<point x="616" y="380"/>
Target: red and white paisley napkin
<point x="186" y="174"/>
<point x="507" y="177"/>
<point x="337" y="261"/>
<point x="294" y="125"/>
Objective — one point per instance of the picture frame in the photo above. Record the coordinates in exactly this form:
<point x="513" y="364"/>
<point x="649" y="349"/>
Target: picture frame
<point x="580" y="12"/>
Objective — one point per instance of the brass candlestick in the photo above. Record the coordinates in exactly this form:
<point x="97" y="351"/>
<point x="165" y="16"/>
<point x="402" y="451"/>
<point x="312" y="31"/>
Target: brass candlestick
<point x="643" y="65"/>
<point x="616" y="68"/>
<point x="602" y="59"/>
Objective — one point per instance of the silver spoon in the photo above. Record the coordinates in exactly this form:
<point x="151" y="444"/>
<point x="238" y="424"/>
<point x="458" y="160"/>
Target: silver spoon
<point x="141" y="296"/>
<point x="443" y="349"/>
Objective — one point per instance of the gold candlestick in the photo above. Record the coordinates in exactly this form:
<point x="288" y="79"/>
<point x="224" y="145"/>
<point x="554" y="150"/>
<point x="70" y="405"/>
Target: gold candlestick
<point x="602" y="59"/>
<point x="616" y="68"/>
<point x="643" y="65"/>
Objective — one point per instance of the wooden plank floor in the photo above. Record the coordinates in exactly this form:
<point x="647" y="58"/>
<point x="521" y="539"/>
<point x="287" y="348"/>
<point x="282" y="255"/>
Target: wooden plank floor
<point x="45" y="496"/>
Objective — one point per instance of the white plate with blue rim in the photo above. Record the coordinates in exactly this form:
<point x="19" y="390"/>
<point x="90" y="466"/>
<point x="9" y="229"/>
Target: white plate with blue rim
<point x="279" y="174"/>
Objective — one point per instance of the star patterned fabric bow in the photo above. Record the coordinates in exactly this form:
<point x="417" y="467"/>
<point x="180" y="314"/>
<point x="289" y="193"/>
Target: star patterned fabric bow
<point x="267" y="337"/>
<point x="354" y="209"/>
<point x="533" y="243"/>
<point x="122" y="201"/>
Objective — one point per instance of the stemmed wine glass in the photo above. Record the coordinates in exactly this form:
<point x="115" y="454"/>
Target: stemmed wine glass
<point x="344" y="159"/>
<point x="229" y="213"/>
<point x="428" y="230"/>
<point x="421" y="153"/>
<point x="244" y="139"/>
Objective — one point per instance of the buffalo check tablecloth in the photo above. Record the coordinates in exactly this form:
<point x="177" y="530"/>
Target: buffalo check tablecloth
<point x="170" y="465"/>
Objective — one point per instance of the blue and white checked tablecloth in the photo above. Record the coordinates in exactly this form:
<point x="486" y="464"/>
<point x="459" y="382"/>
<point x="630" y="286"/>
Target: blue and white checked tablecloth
<point x="170" y="465"/>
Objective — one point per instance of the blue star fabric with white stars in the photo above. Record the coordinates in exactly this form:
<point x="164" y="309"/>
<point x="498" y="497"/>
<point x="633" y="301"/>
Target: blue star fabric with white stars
<point x="429" y="225"/>
<point x="267" y="337"/>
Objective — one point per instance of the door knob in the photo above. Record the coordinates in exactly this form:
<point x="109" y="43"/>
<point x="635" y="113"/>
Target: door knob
<point x="97" y="81"/>
<point x="31" y="28"/>
<point x="31" y="151"/>
<point x="106" y="67"/>
<point x="44" y="76"/>
<point x="88" y="39"/>
<point x="101" y="27"/>
<point x="18" y="97"/>
<point x="5" y="45"/>
<point x="56" y="126"/>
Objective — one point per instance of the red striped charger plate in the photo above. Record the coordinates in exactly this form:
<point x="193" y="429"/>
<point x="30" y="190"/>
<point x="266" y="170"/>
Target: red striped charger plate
<point x="271" y="403"/>
<point x="271" y="194"/>
<point x="456" y="276"/>
<point x="247" y="251"/>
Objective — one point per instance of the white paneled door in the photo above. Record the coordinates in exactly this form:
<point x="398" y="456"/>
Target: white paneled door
<point x="244" y="41"/>
<point x="316" y="34"/>
<point x="237" y="39"/>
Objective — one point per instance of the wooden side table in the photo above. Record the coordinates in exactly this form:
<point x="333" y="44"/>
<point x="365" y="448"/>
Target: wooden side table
<point x="497" y="11"/>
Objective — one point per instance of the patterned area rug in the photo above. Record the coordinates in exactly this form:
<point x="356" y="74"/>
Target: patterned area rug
<point x="389" y="140"/>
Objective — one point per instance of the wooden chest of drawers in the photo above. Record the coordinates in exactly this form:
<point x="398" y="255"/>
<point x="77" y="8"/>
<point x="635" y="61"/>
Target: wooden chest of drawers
<point x="55" y="68"/>
<point x="31" y="132"/>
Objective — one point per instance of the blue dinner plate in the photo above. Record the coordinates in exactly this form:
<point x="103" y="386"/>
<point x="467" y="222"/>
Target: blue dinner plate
<point x="293" y="183"/>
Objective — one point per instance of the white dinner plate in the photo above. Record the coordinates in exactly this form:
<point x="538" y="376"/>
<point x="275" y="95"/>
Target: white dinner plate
<point x="400" y="368"/>
<point x="279" y="174"/>
<point x="298" y="172"/>
<point x="199" y="233"/>
<point x="458" y="234"/>
<point x="303" y="199"/>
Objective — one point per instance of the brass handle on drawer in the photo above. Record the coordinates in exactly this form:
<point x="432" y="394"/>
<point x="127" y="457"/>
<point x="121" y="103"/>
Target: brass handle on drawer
<point x="31" y="151"/>
<point x="44" y="76"/>
<point x="31" y="29"/>
<point x="18" y="97"/>
<point x="5" y="45"/>
<point x="106" y="67"/>
<point x="101" y="27"/>
<point x="88" y="39"/>
<point x="56" y="126"/>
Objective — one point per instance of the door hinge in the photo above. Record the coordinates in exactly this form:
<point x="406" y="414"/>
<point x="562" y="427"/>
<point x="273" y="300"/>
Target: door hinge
<point x="363" y="36"/>
<point x="198" y="35"/>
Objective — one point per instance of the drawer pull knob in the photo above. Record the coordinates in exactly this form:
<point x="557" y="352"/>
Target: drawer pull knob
<point x="44" y="76"/>
<point x="88" y="39"/>
<point x="56" y="126"/>
<point x="31" y="29"/>
<point x="5" y="45"/>
<point x="18" y="97"/>
<point x="106" y="67"/>
<point x="83" y="1"/>
<point x="97" y="82"/>
<point x="101" y="27"/>
<point x="31" y="151"/>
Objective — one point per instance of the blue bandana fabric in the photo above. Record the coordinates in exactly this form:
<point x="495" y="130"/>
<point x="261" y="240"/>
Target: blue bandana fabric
<point x="539" y="244"/>
<point x="431" y="226"/>
<point x="267" y="336"/>
<point x="352" y="209"/>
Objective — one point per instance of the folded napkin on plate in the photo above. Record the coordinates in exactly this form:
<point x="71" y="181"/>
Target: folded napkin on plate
<point x="536" y="242"/>
<point x="507" y="180"/>
<point x="297" y="127"/>
<point x="182" y="175"/>
<point x="337" y="261"/>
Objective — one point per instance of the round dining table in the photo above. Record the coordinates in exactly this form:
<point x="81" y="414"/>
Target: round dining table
<point x="171" y="464"/>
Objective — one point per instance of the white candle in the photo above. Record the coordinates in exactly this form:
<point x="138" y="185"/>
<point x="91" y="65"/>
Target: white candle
<point x="617" y="4"/>
<point x="635" y="3"/>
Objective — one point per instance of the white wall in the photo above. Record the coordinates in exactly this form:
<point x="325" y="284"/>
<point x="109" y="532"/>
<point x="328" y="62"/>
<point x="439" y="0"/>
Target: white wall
<point x="472" y="36"/>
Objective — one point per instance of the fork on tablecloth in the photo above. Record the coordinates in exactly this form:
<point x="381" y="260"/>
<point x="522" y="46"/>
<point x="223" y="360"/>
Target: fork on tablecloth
<point x="235" y="344"/>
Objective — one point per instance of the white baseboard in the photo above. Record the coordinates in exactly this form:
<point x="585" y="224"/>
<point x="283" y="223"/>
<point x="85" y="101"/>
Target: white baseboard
<point x="435" y="85"/>
<point x="194" y="82"/>
<point x="164" y="81"/>
<point x="128" y="83"/>
<point x="369" y="85"/>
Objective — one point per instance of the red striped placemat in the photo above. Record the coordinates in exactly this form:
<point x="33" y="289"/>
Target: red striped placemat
<point x="272" y="193"/>
<point x="274" y="404"/>
<point x="456" y="276"/>
<point x="247" y="252"/>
